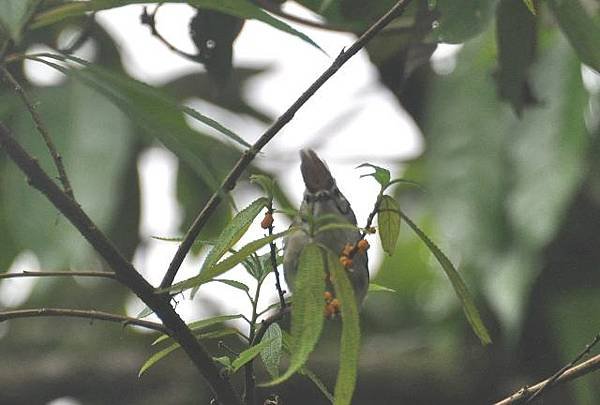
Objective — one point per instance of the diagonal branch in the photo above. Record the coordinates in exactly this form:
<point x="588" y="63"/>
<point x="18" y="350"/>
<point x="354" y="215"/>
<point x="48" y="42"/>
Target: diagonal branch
<point x="39" y="124"/>
<point x="78" y="313"/>
<point x="124" y="270"/>
<point x="247" y="157"/>
<point x="568" y="373"/>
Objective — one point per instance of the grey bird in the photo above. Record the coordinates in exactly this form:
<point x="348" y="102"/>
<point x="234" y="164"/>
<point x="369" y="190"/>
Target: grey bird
<point x="322" y="197"/>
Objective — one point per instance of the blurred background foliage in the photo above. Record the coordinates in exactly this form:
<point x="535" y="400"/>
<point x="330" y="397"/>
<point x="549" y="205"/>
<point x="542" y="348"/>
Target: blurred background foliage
<point x="512" y="184"/>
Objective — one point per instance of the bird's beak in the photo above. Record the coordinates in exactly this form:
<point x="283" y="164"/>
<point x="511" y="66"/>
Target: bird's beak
<point x="317" y="176"/>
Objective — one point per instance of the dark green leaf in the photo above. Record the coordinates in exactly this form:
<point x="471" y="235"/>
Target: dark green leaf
<point x="350" y="340"/>
<point x="239" y="8"/>
<point x="233" y="283"/>
<point x="530" y="6"/>
<point x="388" y="220"/>
<point x="517" y="39"/>
<point x="457" y="283"/>
<point x="307" y="309"/>
<point x="271" y="354"/>
<point x="249" y="354"/>
<point x="380" y="174"/>
<point x="14" y="14"/>
<point x="581" y="29"/>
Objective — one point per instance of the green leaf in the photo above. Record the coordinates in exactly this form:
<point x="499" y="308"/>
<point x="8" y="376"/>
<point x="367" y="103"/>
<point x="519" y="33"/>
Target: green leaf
<point x="233" y="283"/>
<point x="517" y="42"/>
<point x="231" y="234"/>
<point x="530" y="6"/>
<point x="350" y="339"/>
<point x="14" y="14"/>
<point x="202" y="324"/>
<point x="388" y="221"/>
<point x="462" y="19"/>
<point x="265" y="182"/>
<point x="128" y="93"/>
<point x="156" y="357"/>
<point x="249" y="354"/>
<point x="239" y="8"/>
<point x="379" y="288"/>
<point x="380" y="174"/>
<point x="225" y="265"/>
<point x="457" y="283"/>
<point x="307" y="309"/>
<point x="582" y="31"/>
<point x="317" y="382"/>
<point x="271" y="354"/>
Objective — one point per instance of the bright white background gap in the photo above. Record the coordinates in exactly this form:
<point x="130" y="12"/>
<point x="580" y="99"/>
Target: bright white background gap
<point x="374" y="129"/>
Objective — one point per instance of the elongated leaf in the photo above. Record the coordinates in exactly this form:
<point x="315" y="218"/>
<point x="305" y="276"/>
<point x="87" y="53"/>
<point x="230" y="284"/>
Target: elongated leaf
<point x="380" y="174"/>
<point x="225" y="265"/>
<point x="156" y="357"/>
<point x="126" y="91"/>
<point x="240" y="8"/>
<point x="317" y="382"/>
<point x="307" y="309"/>
<point x="457" y="283"/>
<point x="232" y="283"/>
<point x="580" y="28"/>
<point x="350" y="340"/>
<point x="202" y="324"/>
<point x="14" y="14"/>
<point x="388" y="220"/>
<point x="379" y="288"/>
<point x="249" y="354"/>
<point x="233" y="232"/>
<point x="530" y="6"/>
<point x="271" y="354"/>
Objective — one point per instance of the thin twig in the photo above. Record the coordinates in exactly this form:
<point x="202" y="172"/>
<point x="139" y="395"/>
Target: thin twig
<point x="565" y="374"/>
<point x="247" y="157"/>
<point x="149" y="19"/>
<point x="27" y="273"/>
<point x="125" y="273"/>
<point x="56" y="157"/>
<point x="264" y="325"/>
<point x="273" y="252"/>
<point x="78" y="313"/>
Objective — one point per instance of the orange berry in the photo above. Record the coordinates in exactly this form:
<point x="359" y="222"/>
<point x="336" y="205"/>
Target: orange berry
<point x="327" y="295"/>
<point x="346" y="261"/>
<point x="329" y="311"/>
<point x="348" y="248"/>
<point x="362" y="245"/>
<point x="335" y="303"/>
<point x="267" y="221"/>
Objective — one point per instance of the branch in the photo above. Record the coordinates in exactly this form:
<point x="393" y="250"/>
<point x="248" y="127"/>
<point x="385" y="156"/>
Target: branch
<point x="149" y="19"/>
<point x="56" y="157"/>
<point x="273" y="257"/>
<point x="124" y="270"/>
<point x="565" y="374"/>
<point x="247" y="157"/>
<point x="26" y="273"/>
<point x="77" y="313"/>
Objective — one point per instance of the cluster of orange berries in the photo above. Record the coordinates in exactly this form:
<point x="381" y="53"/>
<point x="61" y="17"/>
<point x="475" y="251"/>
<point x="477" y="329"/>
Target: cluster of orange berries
<point x="350" y="250"/>
<point x="332" y="305"/>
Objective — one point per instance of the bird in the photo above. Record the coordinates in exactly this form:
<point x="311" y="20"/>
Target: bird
<point x="323" y="198"/>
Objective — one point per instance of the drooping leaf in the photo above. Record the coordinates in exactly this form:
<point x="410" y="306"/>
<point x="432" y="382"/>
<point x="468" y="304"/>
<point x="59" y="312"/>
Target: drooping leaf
<point x="458" y="284"/>
<point x="156" y="357"/>
<point x="14" y="14"/>
<point x="350" y="339"/>
<point x="249" y="354"/>
<point x="317" y="382"/>
<point x="380" y="174"/>
<point x="202" y="324"/>
<point x="271" y="354"/>
<point x="232" y="283"/>
<point x="388" y="220"/>
<point x="307" y="309"/>
<point x="517" y="41"/>
<point x="239" y="8"/>
<point x="265" y="182"/>
<point x="226" y="264"/>
<point x="373" y="288"/>
<point x="580" y="28"/>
